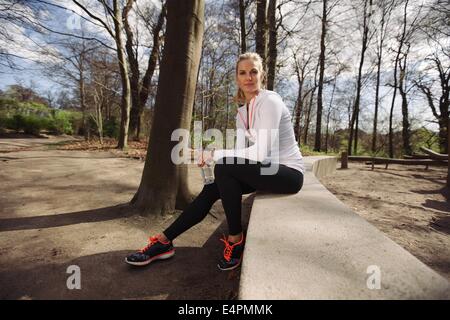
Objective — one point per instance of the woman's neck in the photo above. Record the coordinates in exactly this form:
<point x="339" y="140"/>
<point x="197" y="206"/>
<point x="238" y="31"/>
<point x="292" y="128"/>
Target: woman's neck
<point x="250" y="96"/>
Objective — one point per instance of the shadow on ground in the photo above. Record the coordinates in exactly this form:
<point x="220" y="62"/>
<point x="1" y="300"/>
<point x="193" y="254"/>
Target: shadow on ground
<point x="65" y="219"/>
<point x="191" y="274"/>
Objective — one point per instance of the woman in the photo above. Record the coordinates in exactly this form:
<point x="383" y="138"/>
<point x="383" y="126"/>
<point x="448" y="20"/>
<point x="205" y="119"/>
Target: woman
<point x="268" y="159"/>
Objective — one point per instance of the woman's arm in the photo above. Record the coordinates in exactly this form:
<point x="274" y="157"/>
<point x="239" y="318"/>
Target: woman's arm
<point x="269" y="112"/>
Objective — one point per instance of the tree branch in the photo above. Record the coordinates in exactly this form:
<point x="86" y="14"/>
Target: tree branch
<point x="108" y="29"/>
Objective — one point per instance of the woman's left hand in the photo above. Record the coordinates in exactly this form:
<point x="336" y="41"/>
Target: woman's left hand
<point x="204" y="157"/>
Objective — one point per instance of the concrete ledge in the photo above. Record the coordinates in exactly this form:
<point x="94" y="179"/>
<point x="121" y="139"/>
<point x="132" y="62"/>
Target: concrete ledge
<point x="311" y="246"/>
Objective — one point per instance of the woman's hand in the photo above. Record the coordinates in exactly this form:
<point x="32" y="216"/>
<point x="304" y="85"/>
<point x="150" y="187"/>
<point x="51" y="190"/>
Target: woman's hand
<point x="205" y="156"/>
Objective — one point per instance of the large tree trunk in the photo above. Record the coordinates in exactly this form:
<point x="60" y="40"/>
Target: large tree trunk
<point x="272" y="56"/>
<point x="261" y="30"/>
<point x="123" y="67"/>
<point x="163" y="183"/>
<point x="318" y="136"/>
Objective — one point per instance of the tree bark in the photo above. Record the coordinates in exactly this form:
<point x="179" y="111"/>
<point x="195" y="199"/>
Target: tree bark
<point x="152" y="61"/>
<point x="444" y="104"/>
<point x="308" y="113"/>
<point x="405" y="117"/>
<point x="272" y="54"/>
<point x="243" y="28"/>
<point x="318" y="136"/>
<point x="355" y="114"/>
<point x="140" y="91"/>
<point x="261" y="30"/>
<point x="123" y="67"/>
<point x="330" y="109"/>
<point x="299" y="102"/>
<point x="83" y="105"/>
<point x="397" y="60"/>
<point x="448" y="153"/>
<point x="385" y="14"/>
<point x="134" y="68"/>
<point x="164" y="185"/>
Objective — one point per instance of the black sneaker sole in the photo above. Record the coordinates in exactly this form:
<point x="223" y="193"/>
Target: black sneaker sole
<point x="229" y="268"/>
<point x="162" y="256"/>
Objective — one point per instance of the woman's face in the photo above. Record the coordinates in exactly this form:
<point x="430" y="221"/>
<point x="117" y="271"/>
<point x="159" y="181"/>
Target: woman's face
<point x="248" y="77"/>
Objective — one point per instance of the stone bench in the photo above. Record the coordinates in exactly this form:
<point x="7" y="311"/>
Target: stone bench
<point x="312" y="246"/>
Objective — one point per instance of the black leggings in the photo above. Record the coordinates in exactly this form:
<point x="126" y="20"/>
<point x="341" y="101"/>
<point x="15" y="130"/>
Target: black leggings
<point x="233" y="178"/>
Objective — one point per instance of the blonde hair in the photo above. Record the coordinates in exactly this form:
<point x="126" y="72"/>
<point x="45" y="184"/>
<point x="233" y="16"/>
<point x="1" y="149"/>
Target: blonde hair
<point x="240" y="97"/>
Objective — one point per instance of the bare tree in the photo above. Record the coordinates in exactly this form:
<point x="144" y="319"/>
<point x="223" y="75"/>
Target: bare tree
<point x="163" y="185"/>
<point x="318" y="136"/>
<point x="441" y="113"/>
<point x="115" y="13"/>
<point x="261" y="29"/>
<point x="329" y="111"/>
<point x="404" y="43"/>
<point x="243" y="5"/>
<point x="272" y="44"/>
<point x="385" y="7"/>
<point x="102" y="88"/>
<point x="140" y="88"/>
<point x="433" y="82"/>
<point x="69" y="66"/>
<point x="406" y="131"/>
<point x="310" y="94"/>
<point x="356" y="107"/>
<point x="301" y="71"/>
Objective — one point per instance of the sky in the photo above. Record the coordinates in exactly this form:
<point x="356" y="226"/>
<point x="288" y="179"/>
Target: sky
<point x="69" y="21"/>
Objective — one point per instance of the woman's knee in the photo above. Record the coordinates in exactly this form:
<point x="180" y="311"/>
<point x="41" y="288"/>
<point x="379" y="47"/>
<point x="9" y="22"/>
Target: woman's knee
<point x="298" y="185"/>
<point x="221" y="168"/>
<point x="293" y="186"/>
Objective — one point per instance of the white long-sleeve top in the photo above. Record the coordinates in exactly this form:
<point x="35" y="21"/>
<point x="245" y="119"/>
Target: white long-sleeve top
<point x="271" y="133"/>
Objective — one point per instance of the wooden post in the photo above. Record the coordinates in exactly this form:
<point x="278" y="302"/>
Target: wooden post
<point x="448" y="151"/>
<point x="344" y="160"/>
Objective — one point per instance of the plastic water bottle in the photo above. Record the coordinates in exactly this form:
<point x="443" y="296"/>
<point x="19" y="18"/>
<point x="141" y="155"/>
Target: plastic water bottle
<point x="207" y="173"/>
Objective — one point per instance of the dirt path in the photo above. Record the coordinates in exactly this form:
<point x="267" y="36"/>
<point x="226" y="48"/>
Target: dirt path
<point x="408" y="203"/>
<point x="61" y="208"/>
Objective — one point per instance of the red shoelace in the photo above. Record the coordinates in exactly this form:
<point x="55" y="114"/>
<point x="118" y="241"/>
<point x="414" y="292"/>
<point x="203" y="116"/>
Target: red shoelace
<point x="228" y="251"/>
<point x="151" y="241"/>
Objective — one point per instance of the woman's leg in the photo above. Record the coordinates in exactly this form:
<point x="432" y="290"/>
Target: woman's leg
<point x="199" y="208"/>
<point x="232" y="177"/>
<point x="161" y="247"/>
<point x="195" y="212"/>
